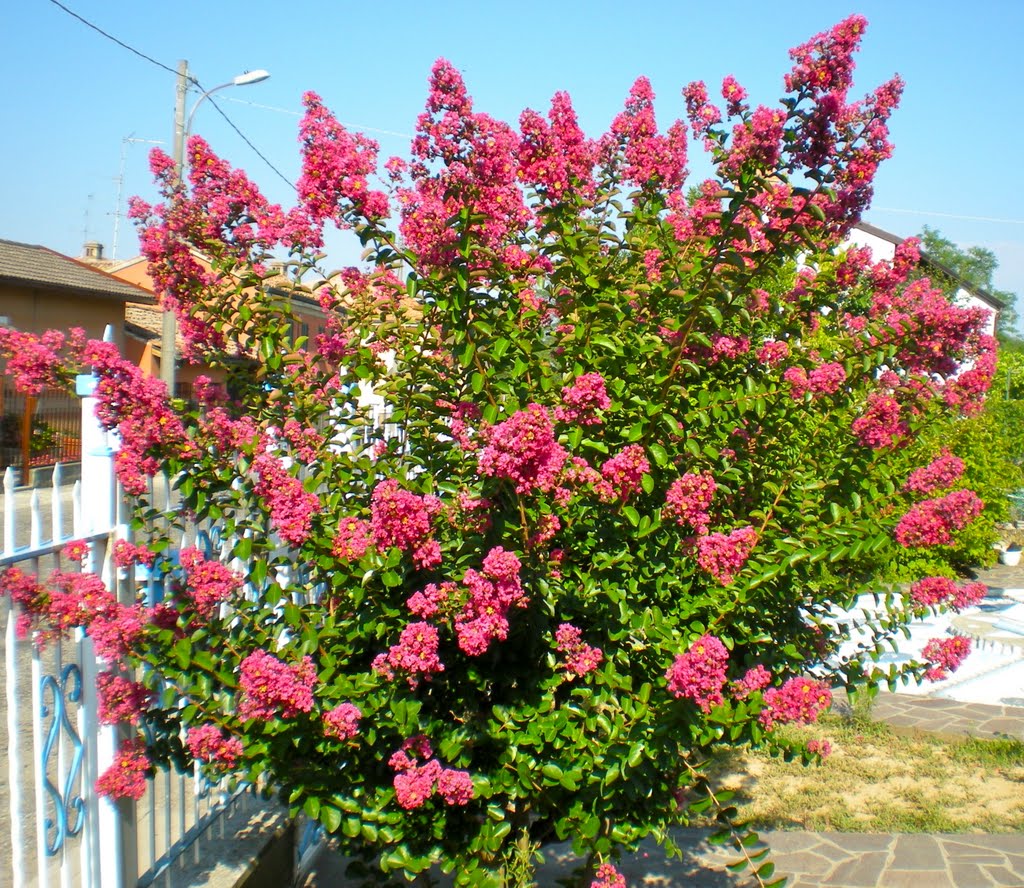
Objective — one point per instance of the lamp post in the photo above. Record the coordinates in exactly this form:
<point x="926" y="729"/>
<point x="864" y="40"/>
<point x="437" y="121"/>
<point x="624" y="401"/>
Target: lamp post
<point x="182" y="128"/>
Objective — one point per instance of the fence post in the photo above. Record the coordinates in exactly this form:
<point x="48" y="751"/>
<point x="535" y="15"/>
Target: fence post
<point x="26" y="440"/>
<point x="114" y="842"/>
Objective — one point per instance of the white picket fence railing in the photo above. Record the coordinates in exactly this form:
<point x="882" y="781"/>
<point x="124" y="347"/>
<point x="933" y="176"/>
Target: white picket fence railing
<point x="58" y="830"/>
<point x="54" y="828"/>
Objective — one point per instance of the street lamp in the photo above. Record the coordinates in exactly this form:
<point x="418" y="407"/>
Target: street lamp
<point x="241" y="80"/>
<point x="182" y="128"/>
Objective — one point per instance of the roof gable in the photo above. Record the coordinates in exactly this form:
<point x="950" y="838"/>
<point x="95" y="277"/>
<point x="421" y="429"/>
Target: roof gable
<point x="35" y="266"/>
<point x="927" y="260"/>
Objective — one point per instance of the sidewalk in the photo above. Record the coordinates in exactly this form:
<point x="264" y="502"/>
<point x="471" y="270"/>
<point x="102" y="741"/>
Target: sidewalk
<point x="837" y="860"/>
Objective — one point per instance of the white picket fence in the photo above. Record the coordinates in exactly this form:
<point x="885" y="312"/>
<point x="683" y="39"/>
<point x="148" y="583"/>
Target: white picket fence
<point x="60" y="832"/>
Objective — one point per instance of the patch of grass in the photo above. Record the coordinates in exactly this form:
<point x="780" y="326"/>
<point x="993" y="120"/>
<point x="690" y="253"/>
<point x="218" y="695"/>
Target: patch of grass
<point x="879" y="781"/>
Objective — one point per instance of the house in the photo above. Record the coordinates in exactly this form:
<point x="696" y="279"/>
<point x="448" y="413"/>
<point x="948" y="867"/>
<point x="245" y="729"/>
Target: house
<point x="143" y="322"/>
<point x="41" y="289"/>
<point x="883" y="246"/>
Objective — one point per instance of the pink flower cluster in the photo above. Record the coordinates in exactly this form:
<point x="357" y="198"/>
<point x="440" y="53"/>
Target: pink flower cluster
<point x="881" y="424"/>
<point x="825" y="62"/>
<point x="271" y="688"/>
<point x="127" y="554"/>
<point x="415" y="783"/>
<point x="773" y="352"/>
<point x="728" y="347"/>
<point x="699" y="673"/>
<point x="335" y="167"/>
<point x="582" y="400"/>
<point x="688" y="500"/>
<point x="652" y="159"/>
<point x="932" y="522"/>
<point x="227" y="205"/>
<point x="702" y="114"/>
<point x="117" y="629"/>
<point x="208" y="744"/>
<point x="404" y="520"/>
<point x="940" y="474"/>
<point x="523" y="450"/>
<point x="304" y="443"/>
<point x="798" y="700"/>
<point x="825" y="379"/>
<point x="623" y="473"/>
<point x="819" y="747"/>
<point x="34" y="360"/>
<point x="723" y="555"/>
<point x="126" y="777"/>
<point x="342" y="722"/>
<point x="76" y="550"/>
<point x="754" y="679"/>
<point x="209" y="583"/>
<point x="292" y="507"/>
<point x="415" y="656"/>
<point x="936" y="591"/>
<point x="559" y="158"/>
<point x="756" y="142"/>
<point x="429" y="601"/>
<point x="935" y="337"/>
<point x="478" y="173"/>
<point x="73" y="600"/>
<point x="608" y="877"/>
<point x="493" y="592"/>
<point x="580" y="658"/>
<point x="945" y="655"/>
<point x="29" y="597"/>
<point x="353" y="538"/>
<point x="121" y="699"/>
<point x="137" y="406"/>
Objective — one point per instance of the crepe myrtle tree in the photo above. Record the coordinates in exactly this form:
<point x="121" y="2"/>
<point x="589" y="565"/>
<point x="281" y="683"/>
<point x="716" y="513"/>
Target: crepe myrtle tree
<point x="649" y="430"/>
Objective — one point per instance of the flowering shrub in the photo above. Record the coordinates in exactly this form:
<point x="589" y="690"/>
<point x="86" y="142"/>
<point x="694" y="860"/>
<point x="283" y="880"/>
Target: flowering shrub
<point x="649" y="436"/>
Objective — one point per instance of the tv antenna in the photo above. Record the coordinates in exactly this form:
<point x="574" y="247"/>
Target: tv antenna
<point x="125" y="142"/>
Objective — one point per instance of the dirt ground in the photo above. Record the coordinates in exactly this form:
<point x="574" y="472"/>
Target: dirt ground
<point x="877" y="781"/>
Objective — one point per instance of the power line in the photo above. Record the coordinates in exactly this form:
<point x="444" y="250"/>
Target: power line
<point x="250" y="144"/>
<point x="99" y="30"/>
<point x="949" y="216"/>
<point x="355" y="126"/>
<point x="170" y="70"/>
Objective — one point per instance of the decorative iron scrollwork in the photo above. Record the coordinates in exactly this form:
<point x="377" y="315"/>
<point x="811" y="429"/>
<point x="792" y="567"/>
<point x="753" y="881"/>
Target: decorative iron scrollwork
<point x="65" y="804"/>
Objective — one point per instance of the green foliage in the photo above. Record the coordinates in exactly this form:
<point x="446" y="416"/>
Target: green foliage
<point x="736" y="345"/>
<point x="977" y="267"/>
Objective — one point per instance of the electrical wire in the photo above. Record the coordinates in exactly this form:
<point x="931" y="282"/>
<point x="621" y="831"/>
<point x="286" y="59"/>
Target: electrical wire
<point x="120" y="43"/>
<point x="949" y="215"/>
<point x="355" y="126"/>
<point x="245" y="139"/>
<point x="170" y="70"/>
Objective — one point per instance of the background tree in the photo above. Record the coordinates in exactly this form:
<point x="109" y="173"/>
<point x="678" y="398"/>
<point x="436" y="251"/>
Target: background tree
<point x="976" y="266"/>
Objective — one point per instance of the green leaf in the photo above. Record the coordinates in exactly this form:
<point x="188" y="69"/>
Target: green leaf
<point x="552" y="772"/>
<point x="330" y="817"/>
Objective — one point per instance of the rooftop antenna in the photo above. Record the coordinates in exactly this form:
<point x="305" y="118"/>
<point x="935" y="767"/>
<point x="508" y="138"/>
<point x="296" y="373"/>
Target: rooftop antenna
<point x="125" y="142"/>
<point x="85" y="219"/>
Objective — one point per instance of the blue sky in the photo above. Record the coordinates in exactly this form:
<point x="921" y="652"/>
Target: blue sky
<point x="72" y="97"/>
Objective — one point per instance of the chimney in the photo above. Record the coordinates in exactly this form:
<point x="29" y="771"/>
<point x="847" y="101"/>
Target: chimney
<point x="93" y="251"/>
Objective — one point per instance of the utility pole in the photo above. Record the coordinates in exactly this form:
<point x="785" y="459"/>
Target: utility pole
<point x="168" y="347"/>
